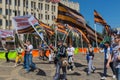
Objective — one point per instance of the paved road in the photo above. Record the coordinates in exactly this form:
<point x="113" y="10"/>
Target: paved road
<point x="46" y="71"/>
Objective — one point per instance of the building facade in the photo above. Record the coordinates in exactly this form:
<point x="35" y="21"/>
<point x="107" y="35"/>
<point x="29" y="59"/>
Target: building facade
<point x="41" y="9"/>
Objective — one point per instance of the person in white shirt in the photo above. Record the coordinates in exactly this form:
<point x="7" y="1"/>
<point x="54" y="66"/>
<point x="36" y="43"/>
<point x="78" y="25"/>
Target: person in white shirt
<point x="70" y="51"/>
<point x="29" y="63"/>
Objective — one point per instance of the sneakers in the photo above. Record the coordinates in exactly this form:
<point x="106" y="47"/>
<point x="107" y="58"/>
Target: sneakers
<point x="103" y="78"/>
<point x="70" y="70"/>
<point x="114" y="76"/>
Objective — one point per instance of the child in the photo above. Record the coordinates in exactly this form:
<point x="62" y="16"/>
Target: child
<point x="19" y="55"/>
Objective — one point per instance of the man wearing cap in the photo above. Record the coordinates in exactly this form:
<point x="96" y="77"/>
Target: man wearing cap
<point x="116" y="57"/>
<point x="60" y="62"/>
<point x="107" y="54"/>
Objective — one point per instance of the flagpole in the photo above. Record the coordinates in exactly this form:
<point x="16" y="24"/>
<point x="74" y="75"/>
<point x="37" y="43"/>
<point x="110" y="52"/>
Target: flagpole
<point x="55" y="37"/>
<point x="67" y="35"/>
<point x="96" y="35"/>
<point x="81" y="42"/>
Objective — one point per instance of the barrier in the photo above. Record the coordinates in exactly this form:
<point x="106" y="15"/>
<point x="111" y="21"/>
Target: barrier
<point x="47" y="53"/>
<point x="12" y="54"/>
<point x="76" y="51"/>
<point x="96" y="50"/>
<point x="35" y="53"/>
<point x="84" y="50"/>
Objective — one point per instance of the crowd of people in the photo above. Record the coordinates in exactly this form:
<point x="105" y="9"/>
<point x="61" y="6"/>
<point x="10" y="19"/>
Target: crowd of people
<point x="63" y="57"/>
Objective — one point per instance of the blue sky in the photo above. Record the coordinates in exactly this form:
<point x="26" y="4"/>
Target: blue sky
<point x="108" y="9"/>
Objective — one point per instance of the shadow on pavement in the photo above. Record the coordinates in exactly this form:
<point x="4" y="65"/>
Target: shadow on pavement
<point x="42" y="63"/>
<point x="41" y="72"/>
<point x="79" y="65"/>
<point x="75" y="73"/>
<point x="101" y="74"/>
<point x="85" y="70"/>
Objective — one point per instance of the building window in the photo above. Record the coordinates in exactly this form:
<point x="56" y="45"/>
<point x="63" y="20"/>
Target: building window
<point x="0" y="1"/>
<point x="15" y="2"/>
<point x="7" y="23"/>
<point x="41" y="16"/>
<point x="8" y="12"/>
<point x="54" y="9"/>
<point x="53" y="17"/>
<point x="15" y="13"/>
<point x="34" y="5"/>
<point x="18" y="13"/>
<point x="40" y="6"/>
<point x="47" y="7"/>
<point x="8" y="2"/>
<point x="26" y="3"/>
<point x="0" y="22"/>
<point x="0" y="10"/>
<point x="18" y="2"/>
<point x="47" y="17"/>
<point x="31" y="4"/>
<point x="24" y="13"/>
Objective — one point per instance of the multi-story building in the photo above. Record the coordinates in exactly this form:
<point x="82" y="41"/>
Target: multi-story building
<point x="43" y="10"/>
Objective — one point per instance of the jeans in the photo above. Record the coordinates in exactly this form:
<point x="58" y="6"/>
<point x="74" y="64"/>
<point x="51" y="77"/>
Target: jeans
<point x="105" y="68"/>
<point x="117" y="73"/>
<point x="57" y="74"/>
<point x="24" y="65"/>
<point x="31" y="64"/>
<point x="90" y="65"/>
<point x="27" y="65"/>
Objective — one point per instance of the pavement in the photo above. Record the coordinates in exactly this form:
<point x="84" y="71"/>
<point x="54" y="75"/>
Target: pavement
<point x="46" y="71"/>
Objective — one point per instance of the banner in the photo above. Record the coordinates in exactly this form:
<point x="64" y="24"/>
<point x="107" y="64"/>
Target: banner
<point x="36" y="26"/>
<point x="7" y="35"/>
<point x="70" y="16"/>
<point x="22" y="24"/>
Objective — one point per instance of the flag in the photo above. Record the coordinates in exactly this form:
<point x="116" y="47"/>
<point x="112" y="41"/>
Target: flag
<point x="7" y="35"/>
<point x="61" y="28"/>
<point x="22" y="24"/>
<point x="91" y="34"/>
<point x="82" y="33"/>
<point x="47" y="28"/>
<point x="70" y="16"/>
<point x="98" y="18"/>
<point x="35" y="24"/>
